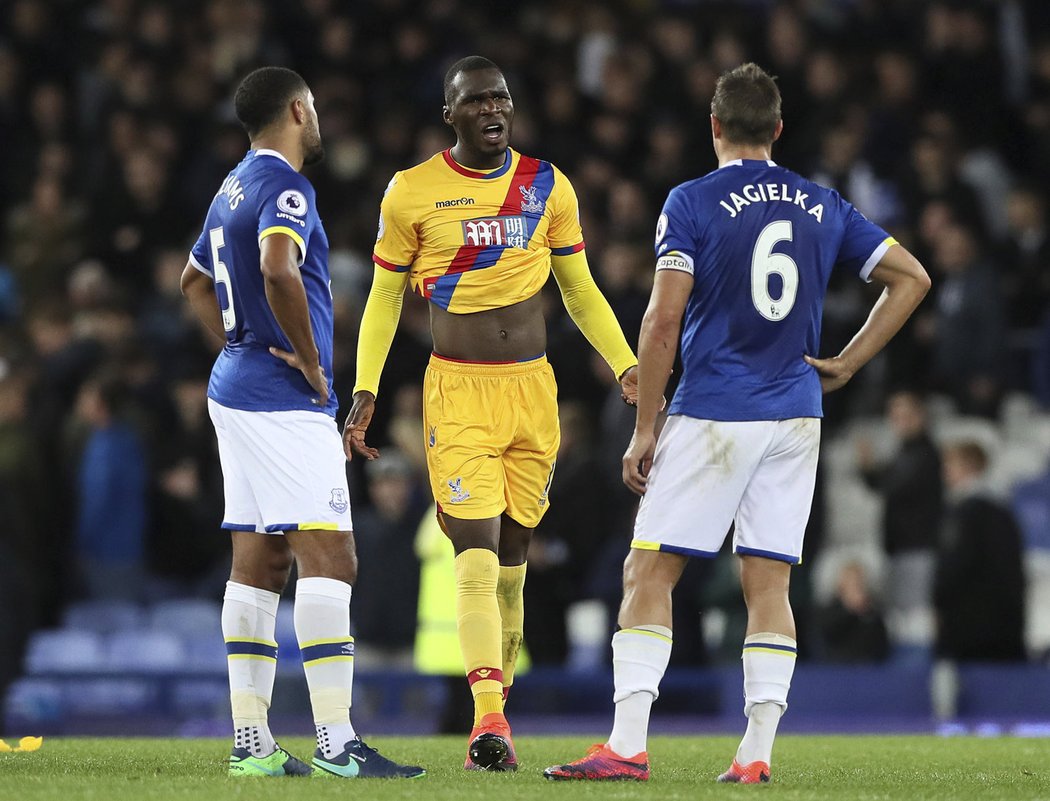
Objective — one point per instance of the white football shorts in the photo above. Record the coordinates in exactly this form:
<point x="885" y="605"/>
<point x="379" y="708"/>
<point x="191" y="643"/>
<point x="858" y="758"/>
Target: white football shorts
<point x="282" y="471"/>
<point x="709" y="474"/>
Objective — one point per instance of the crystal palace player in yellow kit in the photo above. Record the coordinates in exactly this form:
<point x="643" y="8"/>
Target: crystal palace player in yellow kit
<point x="477" y="231"/>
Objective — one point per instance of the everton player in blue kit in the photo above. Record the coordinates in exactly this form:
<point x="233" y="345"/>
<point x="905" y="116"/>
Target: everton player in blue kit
<point x="745" y="253"/>
<point x="258" y="278"/>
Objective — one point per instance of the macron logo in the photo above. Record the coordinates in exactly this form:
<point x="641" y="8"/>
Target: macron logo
<point x="462" y="201"/>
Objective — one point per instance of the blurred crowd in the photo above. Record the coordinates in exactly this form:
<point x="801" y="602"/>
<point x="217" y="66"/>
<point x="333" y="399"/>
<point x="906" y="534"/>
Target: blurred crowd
<point x="116" y="129"/>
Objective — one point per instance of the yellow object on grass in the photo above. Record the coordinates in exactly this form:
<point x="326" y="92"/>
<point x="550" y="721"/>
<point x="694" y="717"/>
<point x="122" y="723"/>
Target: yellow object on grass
<point x="25" y="744"/>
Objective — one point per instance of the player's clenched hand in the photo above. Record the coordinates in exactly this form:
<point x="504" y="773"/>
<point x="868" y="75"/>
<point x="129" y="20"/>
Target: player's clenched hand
<point x="313" y="373"/>
<point x="638" y="460"/>
<point x="629" y="386"/>
<point x="357" y="424"/>
<point x="834" y="373"/>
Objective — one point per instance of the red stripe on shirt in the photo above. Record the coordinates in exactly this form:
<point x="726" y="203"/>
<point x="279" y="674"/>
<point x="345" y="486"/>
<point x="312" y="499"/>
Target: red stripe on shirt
<point x="524" y="173"/>
<point x="523" y="176"/>
<point x="397" y="268"/>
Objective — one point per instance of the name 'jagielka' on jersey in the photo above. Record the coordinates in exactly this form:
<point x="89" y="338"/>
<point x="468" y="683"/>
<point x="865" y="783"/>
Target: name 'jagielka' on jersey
<point x="770" y="193"/>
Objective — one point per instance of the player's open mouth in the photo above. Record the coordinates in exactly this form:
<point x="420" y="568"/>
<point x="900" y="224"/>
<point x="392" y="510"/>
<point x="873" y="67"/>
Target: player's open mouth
<point x="493" y="133"/>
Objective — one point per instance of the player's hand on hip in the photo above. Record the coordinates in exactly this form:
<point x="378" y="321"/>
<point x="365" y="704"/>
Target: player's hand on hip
<point x="638" y="461"/>
<point x="313" y="373"/>
<point x="357" y="424"/>
<point x="834" y="373"/>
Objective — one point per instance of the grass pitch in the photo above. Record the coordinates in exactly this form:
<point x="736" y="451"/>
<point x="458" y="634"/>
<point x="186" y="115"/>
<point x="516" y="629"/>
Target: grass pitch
<point x="868" y="768"/>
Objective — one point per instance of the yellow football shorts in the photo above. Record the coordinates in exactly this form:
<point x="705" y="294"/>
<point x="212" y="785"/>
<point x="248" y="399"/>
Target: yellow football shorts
<point x="491" y="436"/>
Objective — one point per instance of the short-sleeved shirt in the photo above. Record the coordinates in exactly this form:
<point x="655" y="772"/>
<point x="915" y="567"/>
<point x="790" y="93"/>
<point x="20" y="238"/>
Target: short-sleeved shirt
<point x="473" y="241"/>
<point x="264" y="195"/>
<point x="760" y="242"/>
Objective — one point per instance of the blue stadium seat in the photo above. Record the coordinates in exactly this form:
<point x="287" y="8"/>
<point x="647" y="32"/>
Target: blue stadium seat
<point x="145" y="651"/>
<point x="187" y="616"/>
<point x="205" y="653"/>
<point x="33" y="701"/>
<point x="103" y="615"/>
<point x="65" y="651"/>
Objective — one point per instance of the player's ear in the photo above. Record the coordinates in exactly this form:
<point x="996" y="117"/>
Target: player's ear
<point x="299" y="110"/>
<point x="716" y="127"/>
<point x="446" y="115"/>
<point x="778" y="130"/>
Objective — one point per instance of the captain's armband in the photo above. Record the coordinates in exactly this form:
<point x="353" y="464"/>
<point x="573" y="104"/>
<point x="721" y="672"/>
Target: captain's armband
<point x="675" y="261"/>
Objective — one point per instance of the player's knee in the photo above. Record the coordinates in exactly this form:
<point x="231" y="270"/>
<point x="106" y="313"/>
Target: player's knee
<point x="277" y="570"/>
<point x="514" y="547"/>
<point x="646" y="574"/>
<point x="764" y="580"/>
<point x="335" y="563"/>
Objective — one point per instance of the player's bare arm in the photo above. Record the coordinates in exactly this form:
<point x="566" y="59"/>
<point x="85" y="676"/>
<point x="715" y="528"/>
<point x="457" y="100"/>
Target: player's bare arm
<point x="279" y="262"/>
<point x="199" y="290"/>
<point x="906" y="284"/>
<point x="657" y="345"/>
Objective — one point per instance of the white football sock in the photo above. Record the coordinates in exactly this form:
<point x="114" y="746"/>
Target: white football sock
<point x="249" y="619"/>
<point x="640" y="657"/>
<point x="322" y="626"/>
<point x="769" y="662"/>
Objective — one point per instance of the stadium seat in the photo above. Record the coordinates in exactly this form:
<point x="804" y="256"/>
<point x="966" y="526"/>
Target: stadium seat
<point x="205" y="653"/>
<point x="145" y="651"/>
<point x="32" y="702"/>
<point x="206" y="697"/>
<point x="189" y="616"/>
<point x="65" y="651"/>
<point x="1015" y="462"/>
<point x="955" y="429"/>
<point x="103" y="616"/>
<point x="114" y="696"/>
<point x="1037" y="602"/>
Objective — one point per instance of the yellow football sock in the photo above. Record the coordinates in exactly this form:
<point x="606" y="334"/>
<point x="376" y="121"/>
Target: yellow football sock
<point x="512" y="614"/>
<point x="478" y="621"/>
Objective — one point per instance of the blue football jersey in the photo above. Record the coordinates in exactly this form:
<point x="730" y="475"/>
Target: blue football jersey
<point x="760" y="242"/>
<point x="264" y="195"/>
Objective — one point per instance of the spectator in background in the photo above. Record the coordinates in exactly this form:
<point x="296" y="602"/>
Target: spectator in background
<point x="387" y="588"/>
<point x="980" y="584"/>
<point x="112" y="487"/>
<point x="1024" y="254"/>
<point x="969" y="325"/>
<point x="43" y="238"/>
<point x="912" y="497"/>
<point x="565" y="540"/>
<point x="186" y="551"/>
<point x="851" y="625"/>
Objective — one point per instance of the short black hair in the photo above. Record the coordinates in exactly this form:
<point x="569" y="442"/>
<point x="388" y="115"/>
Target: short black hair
<point x="747" y="103"/>
<point x="467" y="64"/>
<point x="264" y="94"/>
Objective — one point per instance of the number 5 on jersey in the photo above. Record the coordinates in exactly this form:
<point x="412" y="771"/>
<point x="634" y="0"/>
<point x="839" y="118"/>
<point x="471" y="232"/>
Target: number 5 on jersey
<point x="223" y="287"/>
<point x="764" y="262"/>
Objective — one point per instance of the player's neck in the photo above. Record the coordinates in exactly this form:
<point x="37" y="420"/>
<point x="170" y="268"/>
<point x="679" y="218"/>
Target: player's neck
<point x="743" y="153"/>
<point x="473" y="160"/>
<point x="292" y="155"/>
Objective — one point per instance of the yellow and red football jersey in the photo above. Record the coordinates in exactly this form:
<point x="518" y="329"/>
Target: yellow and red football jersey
<point x="471" y="240"/>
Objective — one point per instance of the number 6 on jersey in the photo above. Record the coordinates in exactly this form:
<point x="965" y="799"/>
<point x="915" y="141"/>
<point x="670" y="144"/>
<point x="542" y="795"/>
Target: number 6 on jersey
<point x="763" y="262"/>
